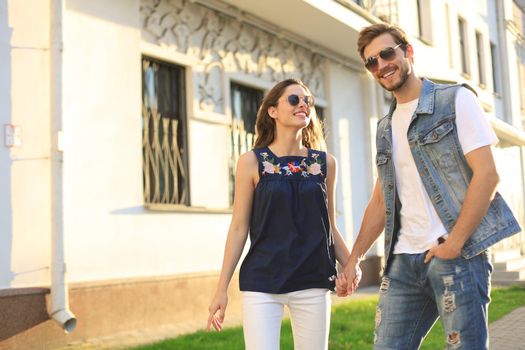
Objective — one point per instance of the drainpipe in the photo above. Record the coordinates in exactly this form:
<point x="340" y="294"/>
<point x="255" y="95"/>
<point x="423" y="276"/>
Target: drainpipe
<point x="59" y="293"/>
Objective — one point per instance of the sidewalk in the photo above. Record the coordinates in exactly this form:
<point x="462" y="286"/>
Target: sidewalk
<point x="508" y="333"/>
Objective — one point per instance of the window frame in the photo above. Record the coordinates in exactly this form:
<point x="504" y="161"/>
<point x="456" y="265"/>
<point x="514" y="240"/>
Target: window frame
<point x="521" y="78"/>
<point x="238" y="131"/>
<point x="463" y="46"/>
<point x="495" y="64"/>
<point x="182" y="117"/>
<point x="424" y="19"/>
<point x="480" y="55"/>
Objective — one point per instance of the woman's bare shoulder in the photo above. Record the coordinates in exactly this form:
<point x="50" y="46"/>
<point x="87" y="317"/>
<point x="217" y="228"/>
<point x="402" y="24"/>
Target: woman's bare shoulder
<point x="330" y="159"/>
<point x="248" y="159"/>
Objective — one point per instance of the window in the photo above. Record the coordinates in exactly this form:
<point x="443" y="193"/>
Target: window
<point x="518" y="22"/>
<point x="449" y="37"/>
<point x="245" y="102"/>
<point x="165" y="134"/>
<point x="424" y="16"/>
<point x="463" y="45"/>
<point x="521" y="79"/>
<point x="481" y="59"/>
<point x="320" y="113"/>
<point x="495" y="68"/>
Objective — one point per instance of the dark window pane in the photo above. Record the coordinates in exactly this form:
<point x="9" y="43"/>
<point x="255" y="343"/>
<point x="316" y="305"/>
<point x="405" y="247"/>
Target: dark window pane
<point x="320" y="112"/>
<point x="245" y="102"/>
<point x="481" y="58"/>
<point x="495" y="66"/>
<point x="463" y="45"/>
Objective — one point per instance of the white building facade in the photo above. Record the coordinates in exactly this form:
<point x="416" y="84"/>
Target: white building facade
<point x="122" y="121"/>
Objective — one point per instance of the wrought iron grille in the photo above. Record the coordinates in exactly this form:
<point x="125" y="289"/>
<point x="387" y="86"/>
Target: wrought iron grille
<point x="245" y="102"/>
<point x="164" y="137"/>
<point x="320" y="113"/>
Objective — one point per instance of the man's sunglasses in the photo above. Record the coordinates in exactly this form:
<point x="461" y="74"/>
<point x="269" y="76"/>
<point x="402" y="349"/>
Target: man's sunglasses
<point x="294" y="100"/>
<point x="387" y="54"/>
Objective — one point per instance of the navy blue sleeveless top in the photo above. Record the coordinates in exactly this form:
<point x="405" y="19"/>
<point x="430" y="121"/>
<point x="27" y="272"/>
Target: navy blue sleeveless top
<point x="292" y="246"/>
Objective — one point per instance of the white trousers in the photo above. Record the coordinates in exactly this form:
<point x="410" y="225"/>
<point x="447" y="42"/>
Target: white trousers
<point x="309" y="314"/>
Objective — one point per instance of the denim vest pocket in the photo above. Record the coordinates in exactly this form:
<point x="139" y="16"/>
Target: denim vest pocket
<point x="441" y="145"/>
<point x="437" y="133"/>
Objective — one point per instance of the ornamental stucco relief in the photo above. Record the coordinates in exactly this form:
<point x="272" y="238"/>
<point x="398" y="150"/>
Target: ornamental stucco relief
<point x="224" y="44"/>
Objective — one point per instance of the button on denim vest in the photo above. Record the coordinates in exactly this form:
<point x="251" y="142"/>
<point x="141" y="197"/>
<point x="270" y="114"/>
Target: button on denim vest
<point x="435" y="147"/>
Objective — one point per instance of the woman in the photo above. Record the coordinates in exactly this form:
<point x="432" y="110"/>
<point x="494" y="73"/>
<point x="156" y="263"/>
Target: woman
<point x="284" y="196"/>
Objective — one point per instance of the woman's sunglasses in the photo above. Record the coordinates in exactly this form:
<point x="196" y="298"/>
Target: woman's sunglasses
<point x="294" y="100"/>
<point x="387" y="54"/>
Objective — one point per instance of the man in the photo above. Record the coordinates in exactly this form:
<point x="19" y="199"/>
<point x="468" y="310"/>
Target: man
<point x="435" y="199"/>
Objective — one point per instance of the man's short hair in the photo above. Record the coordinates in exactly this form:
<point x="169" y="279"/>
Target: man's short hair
<point x="367" y="34"/>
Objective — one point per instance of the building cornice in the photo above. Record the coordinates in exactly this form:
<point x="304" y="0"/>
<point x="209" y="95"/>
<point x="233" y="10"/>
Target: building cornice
<point x="253" y="20"/>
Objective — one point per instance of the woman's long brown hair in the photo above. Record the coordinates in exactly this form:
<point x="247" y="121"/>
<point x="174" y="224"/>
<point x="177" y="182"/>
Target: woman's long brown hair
<point x="265" y="125"/>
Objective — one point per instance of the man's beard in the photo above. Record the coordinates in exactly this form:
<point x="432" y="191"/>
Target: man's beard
<point x="404" y="73"/>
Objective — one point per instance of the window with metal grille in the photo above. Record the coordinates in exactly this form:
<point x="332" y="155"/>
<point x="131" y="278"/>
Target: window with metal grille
<point x="245" y="102"/>
<point x="320" y="113"/>
<point x="164" y="134"/>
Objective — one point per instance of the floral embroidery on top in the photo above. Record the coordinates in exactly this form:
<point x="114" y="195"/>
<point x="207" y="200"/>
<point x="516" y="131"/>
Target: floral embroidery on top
<point x="303" y="167"/>
<point x="315" y="167"/>
<point x="269" y="166"/>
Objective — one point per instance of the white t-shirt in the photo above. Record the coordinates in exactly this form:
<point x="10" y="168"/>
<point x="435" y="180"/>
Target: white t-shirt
<point x="420" y="224"/>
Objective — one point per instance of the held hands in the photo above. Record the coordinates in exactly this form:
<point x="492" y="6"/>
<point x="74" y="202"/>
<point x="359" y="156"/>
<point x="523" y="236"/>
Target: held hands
<point x="348" y="281"/>
<point x="217" y="310"/>
<point x="447" y="250"/>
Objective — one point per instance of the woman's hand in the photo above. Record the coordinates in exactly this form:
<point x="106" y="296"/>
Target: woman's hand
<point x="351" y="273"/>
<point x="217" y="310"/>
<point x="341" y="286"/>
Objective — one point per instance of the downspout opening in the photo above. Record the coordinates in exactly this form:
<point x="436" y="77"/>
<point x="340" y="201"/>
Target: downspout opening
<point x="66" y="320"/>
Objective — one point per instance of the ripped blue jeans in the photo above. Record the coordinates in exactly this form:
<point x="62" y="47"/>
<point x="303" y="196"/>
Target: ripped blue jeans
<point x="413" y="295"/>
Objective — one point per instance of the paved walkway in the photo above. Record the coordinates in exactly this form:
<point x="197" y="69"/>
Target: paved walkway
<point x="508" y="333"/>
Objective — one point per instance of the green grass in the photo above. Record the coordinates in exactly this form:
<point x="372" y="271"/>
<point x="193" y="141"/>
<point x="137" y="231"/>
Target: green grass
<point x="352" y="327"/>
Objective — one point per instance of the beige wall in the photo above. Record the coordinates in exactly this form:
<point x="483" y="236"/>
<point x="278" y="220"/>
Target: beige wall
<point x="109" y="233"/>
<point x="27" y="167"/>
<point x="5" y="154"/>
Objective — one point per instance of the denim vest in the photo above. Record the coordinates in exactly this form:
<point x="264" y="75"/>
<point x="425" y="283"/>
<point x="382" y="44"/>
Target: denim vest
<point x="435" y="147"/>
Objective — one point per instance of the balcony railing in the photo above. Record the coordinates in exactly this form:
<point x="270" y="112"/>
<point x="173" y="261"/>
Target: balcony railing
<point x="518" y="18"/>
<point x="386" y="10"/>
